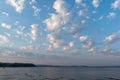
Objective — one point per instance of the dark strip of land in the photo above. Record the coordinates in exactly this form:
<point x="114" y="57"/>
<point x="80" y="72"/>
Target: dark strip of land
<point x="78" y="66"/>
<point x="17" y="65"/>
<point x="41" y="65"/>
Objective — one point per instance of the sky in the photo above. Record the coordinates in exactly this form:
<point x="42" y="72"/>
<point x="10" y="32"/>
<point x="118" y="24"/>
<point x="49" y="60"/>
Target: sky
<point x="60" y="32"/>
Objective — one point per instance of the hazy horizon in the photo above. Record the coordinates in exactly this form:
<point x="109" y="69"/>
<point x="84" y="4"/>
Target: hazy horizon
<point x="60" y="32"/>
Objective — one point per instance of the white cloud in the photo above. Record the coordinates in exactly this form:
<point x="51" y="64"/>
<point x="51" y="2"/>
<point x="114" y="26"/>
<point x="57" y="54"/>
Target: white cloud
<point x="81" y="13"/>
<point x="33" y="33"/>
<point x="74" y="30"/>
<point x="19" y="32"/>
<point x="32" y="2"/>
<point x="53" y="41"/>
<point x="53" y="22"/>
<point x="105" y="49"/>
<point x="51" y="38"/>
<point x="6" y="26"/>
<point x="5" y="13"/>
<point x="36" y="10"/>
<point x="3" y="39"/>
<point x="96" y="3"/>
<point x="60" y="18"/>
<point x="29" y="47"/>
<point x="60" y="7"/>
<point x="66" y="48"/>
<point x="83" y="38"/>
<point x="111" y="38"/>
<point x="78" y="1"/>
<point x="71" y="44"/>
<point x="93" y="49"/>
<point x="83" y="21"/>
<point x="17" y="4"/>
<point x="111" y="15"/>
<point x="56" y="42"/>
<point x="88" y="44"/>
<point x="111" y="52"/>
<point x="116" y="4"/>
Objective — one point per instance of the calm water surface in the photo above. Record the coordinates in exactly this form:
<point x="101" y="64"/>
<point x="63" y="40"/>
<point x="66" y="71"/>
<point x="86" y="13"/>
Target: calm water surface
<point x="60" y="73"/>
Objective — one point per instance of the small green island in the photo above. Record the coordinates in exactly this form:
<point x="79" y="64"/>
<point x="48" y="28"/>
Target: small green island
<point x="17" y="65"/>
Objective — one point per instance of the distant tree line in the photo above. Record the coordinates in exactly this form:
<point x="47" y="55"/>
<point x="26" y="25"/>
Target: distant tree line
<point x="17" y="65"/>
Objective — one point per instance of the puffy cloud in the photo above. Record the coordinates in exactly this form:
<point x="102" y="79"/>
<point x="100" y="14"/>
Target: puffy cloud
<point x="33" y="33"/>
<point x="106" y="49"/>
<point x="3" y="39"/>
<point x="95" y="3"/>
<point x="93" y="49"/>
<point x="36" y="10"/>
<point x="17" y="4"/>
<point x="111" y="38"/>
<point x="116" y="4"/>
<point x="88" y="44"/>
<point x="6" y="26"/>
<point x="111" y="15"/>
<point x="71" y="51"/>
<point x="32" y="2"/>
<point x="81" y="13"/>
<point x="53" y="41"/>
<point x="74" y="30"/>
<point x="53" y="23"/>
<point x="78" y="1"/>
<point x="5" y="13"/>
<point x="56" y="42"/>
<point x="110" y="52"/>
<point x="19" y="32"/>
<point x="60" y="7"/>
<point x="71" y="44"/>
<point x="65" y="48"/>
<point x="83" y="21"/>
<point x="83" y="38"/>
<point x="60" y="18"/>
<point x="51" y="38"/>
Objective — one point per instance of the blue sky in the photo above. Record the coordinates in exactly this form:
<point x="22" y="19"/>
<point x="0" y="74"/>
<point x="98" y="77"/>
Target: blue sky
<point x="62" y="32"/>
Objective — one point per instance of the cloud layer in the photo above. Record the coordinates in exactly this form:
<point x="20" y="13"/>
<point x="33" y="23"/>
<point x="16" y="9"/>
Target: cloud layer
<point x="72" y="28"/>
